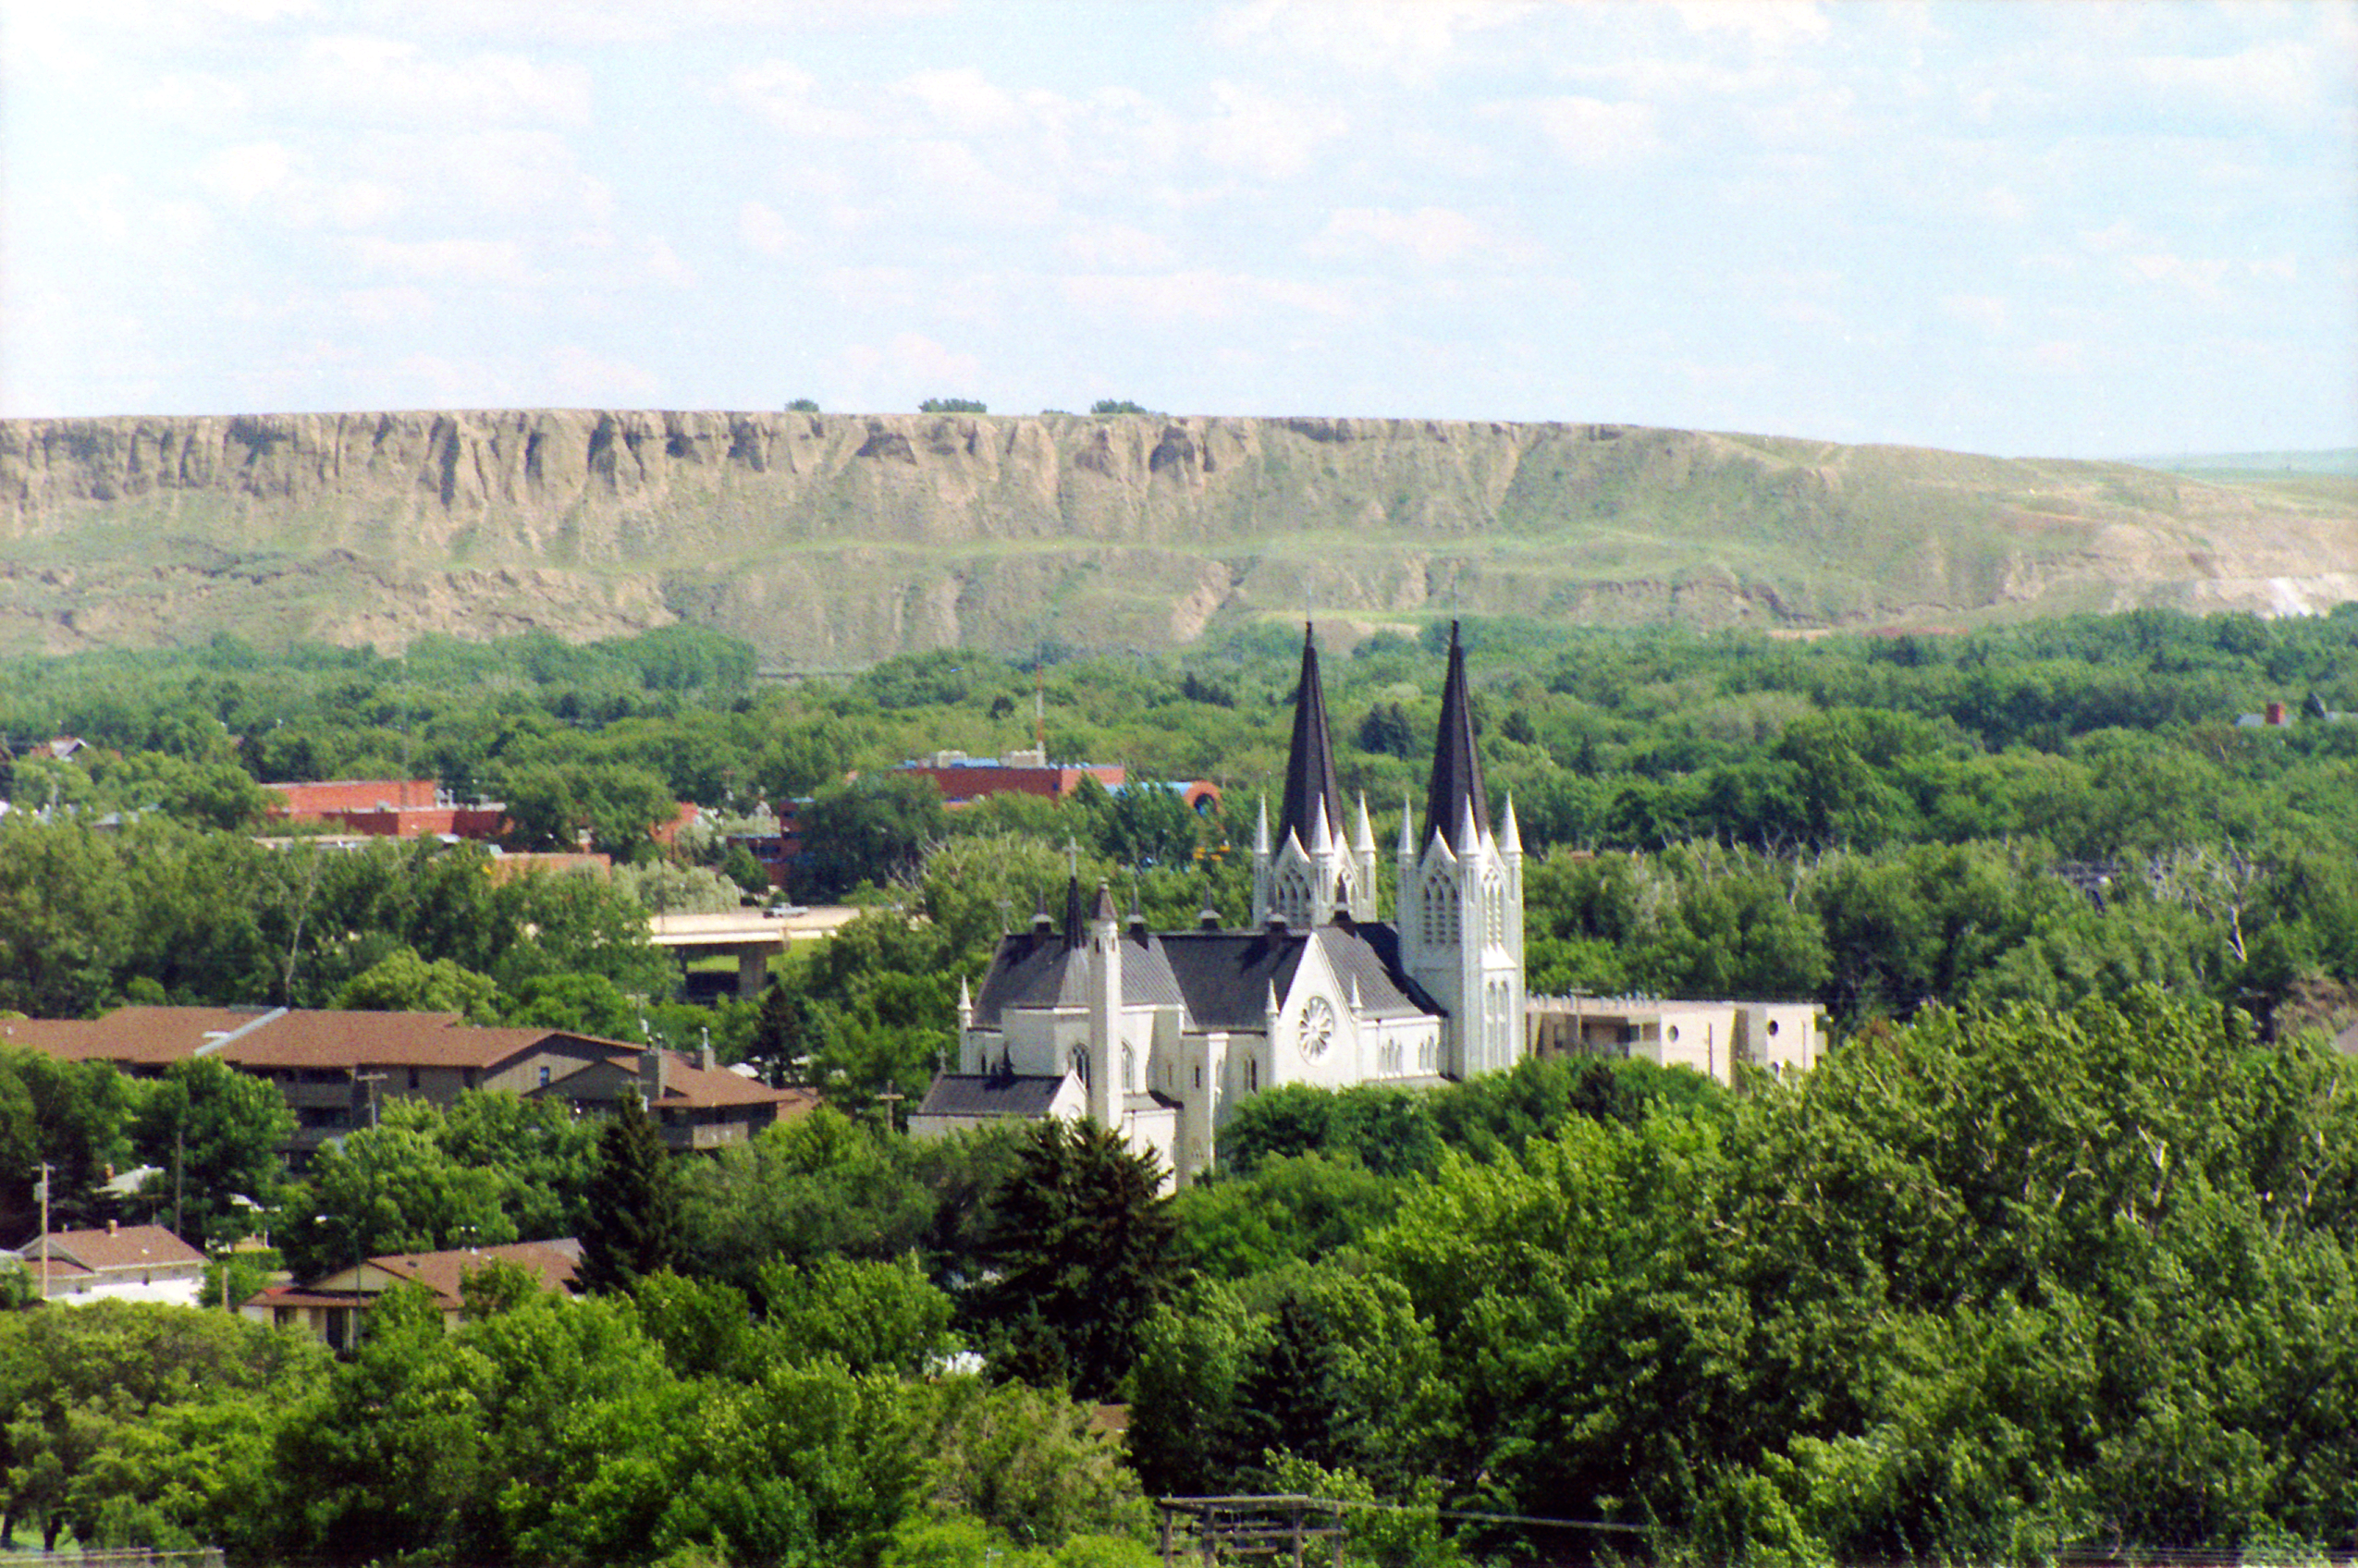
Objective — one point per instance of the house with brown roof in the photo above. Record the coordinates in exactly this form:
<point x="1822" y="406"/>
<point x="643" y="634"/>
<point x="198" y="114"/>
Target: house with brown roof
<point x="336" y="1069"/>
<point x="696" y="1104"/>
<point x="333" y="1309"/>
<point x="119" y="1262"/>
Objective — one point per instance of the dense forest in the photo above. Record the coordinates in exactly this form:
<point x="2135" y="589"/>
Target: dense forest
<point x="2059" y="1249"/>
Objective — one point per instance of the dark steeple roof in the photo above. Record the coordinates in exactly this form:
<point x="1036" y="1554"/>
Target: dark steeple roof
<point x="1456" y="765"/>
<point x="1075" y="935"/>
<point x="1309" y="767"/>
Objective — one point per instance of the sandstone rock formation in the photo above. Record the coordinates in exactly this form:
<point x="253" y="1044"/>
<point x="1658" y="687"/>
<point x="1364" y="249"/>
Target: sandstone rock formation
<point x="832" y="539"/>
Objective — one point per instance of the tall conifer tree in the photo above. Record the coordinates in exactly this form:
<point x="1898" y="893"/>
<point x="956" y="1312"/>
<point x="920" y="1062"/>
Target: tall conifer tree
<point x="633" y="1224"/>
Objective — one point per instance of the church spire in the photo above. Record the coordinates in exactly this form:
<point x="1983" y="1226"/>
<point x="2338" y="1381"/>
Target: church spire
<point x="1309" y="766"/>
<point x="1457" y="798"/>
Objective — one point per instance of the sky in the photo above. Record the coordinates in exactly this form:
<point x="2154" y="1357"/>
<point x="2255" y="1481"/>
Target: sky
<point x="2024" y="228"/>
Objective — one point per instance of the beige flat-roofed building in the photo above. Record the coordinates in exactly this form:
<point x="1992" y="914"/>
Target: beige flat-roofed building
<point x="1714" y="1039"/>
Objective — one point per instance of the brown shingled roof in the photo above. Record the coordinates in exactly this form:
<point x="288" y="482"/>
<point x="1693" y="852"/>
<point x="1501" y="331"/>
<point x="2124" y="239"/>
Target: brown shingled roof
<point x="129" y="1247"/>
<point x="307" y="1039"/>
<point x="686" y="1085"/>
<point x="281" y="1037"/>
<point x="444" y="1273"/>
<point x="143" y="1034"/>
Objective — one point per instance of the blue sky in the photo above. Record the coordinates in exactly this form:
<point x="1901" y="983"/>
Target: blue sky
<point x="2024" y="228"/>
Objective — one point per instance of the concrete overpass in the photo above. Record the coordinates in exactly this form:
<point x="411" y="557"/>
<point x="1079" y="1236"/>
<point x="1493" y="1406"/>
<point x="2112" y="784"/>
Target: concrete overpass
<point x="750" y="936"/>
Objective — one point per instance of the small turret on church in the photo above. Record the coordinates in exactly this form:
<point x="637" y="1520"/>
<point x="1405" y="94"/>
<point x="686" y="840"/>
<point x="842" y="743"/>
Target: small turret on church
<point x="1317" y="864"/>
<point x="1459" y="908"/>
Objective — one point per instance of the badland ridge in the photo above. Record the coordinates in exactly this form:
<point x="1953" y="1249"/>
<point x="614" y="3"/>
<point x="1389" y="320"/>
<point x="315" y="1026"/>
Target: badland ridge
<point x="833" y="540"/>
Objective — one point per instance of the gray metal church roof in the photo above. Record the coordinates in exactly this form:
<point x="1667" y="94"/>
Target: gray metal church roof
<point x="990" y="1093"/>
<point x="1221" y="979"/>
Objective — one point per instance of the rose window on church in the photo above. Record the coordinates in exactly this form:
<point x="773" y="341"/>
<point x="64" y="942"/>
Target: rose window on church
<point x="1317" y="1028"/>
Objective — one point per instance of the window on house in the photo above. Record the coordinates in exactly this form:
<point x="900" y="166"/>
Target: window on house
<point x="544" y="1077"/>
<point x="414" y="1078"/>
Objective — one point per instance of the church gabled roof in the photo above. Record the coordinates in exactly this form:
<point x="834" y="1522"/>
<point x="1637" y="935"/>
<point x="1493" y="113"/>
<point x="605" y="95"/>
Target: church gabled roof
<point x="1039" y="969"/>
<point x="1309" y="765"/>
<point x="1457" y="764"/>
<point x="1221" y="979"/>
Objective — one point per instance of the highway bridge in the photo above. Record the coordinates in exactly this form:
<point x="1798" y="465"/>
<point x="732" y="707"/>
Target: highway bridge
<point x="750" y="936"/>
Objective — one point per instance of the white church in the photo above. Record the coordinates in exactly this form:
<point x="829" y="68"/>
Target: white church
<point x="1161" y="1033"/>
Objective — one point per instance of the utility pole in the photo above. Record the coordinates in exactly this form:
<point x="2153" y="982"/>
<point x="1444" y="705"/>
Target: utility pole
<point x="371" y="1080"/>
<point x="46" y="1242"/>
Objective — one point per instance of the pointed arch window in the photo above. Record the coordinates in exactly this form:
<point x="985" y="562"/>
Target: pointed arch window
<point x="1438" y="917"/>
<point x="1292" y="896"/>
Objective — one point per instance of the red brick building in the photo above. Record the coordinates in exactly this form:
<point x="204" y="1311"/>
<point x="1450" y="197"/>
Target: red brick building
<point x="389" y="808"/>
<point x="965" y="778"/>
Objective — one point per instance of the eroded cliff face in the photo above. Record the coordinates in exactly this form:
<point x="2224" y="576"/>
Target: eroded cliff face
<point x="832" y="539"/>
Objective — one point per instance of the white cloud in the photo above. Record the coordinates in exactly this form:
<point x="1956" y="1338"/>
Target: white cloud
<point x="403" y="304"/>
<point x="760" y="225"/>
<point x="1209" y="296"/>
<point x="1766" y="24"/>
<point x="571" y="22"/>
<point x="1433" y="237"/>
<point x="663" y="264"/>
<point x="1098" y="245"/>
<point x="578" y="378"/>
<point x="2198" y="278"/>
<point x="2115" y="235"/>
<point x="1264" y="136"/>
<point x="1410" y="41"/>
<point x="1998" y="204"/>
<point x="786" y="95"/>
<point x="1989" y="312"/>
<point x="446" y="261"/>
<point x="393" y="82"/>
<point x="956" y="180"/>
<point x="437" y="381"/>
<point x="1590" y="131"/>
<point x="199" y="100"/>
<point x="507" y="177"/>
<point x="909" y="368"/>
<point x="244" y="172"/>
<point x="2058" y="356"/>
<point x="2279" y="81"/>
<point x="964" y="99"/>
